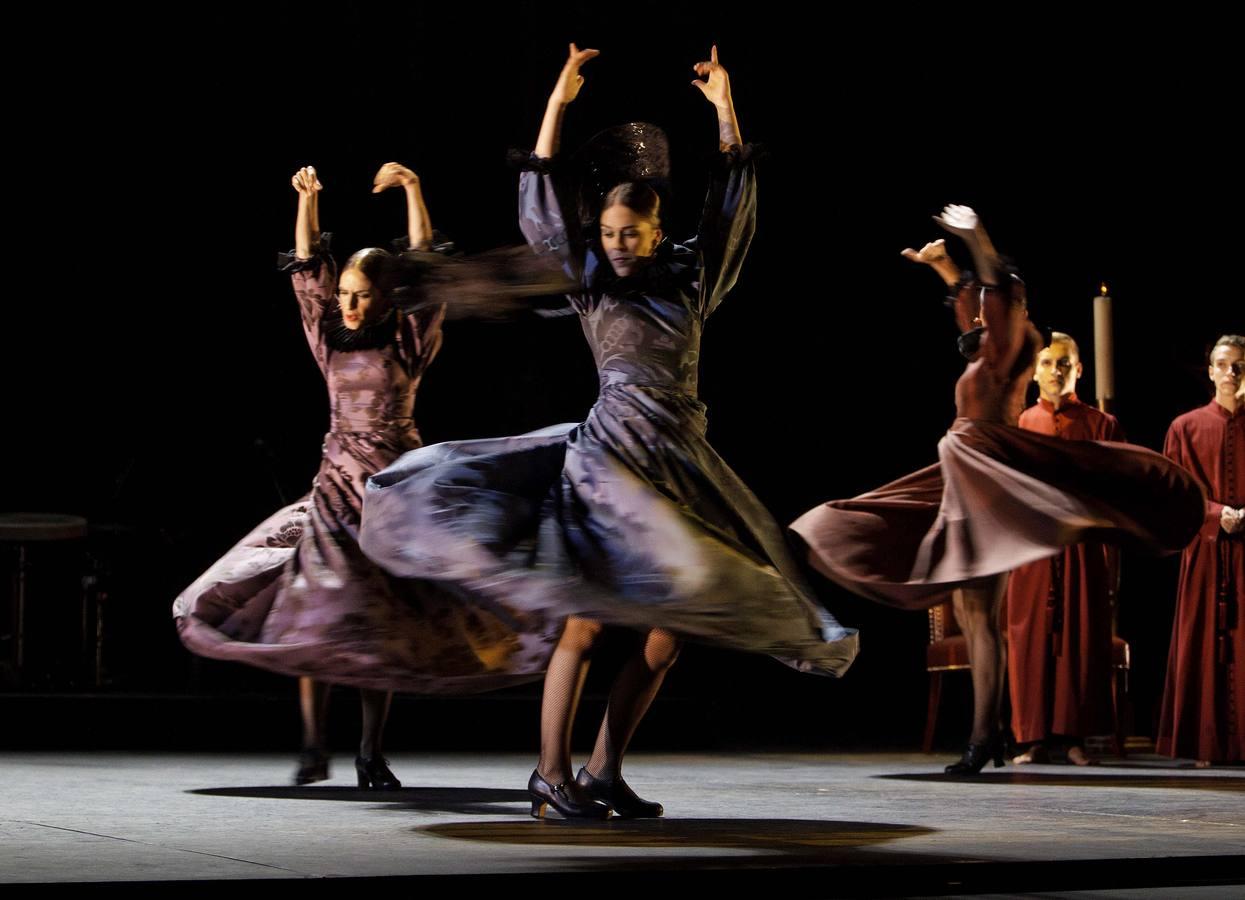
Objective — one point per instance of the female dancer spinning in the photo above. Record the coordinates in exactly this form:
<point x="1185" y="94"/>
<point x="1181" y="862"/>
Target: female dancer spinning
<point x="630" y="518"/>
<point x="1000" y="496"/>
<point x="297" y="595"/>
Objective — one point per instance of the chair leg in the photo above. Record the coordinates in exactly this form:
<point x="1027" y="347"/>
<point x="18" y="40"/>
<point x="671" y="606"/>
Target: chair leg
<point x="931" y="715"/>
<point x="1119" y="689"/>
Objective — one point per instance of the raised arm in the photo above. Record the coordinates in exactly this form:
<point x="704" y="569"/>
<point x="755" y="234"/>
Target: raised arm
<point x="964" y="222"/>
<point x="307" y="220"/>
<point x="310" y="267"/>
<point x="547" y="218"/>
<point x="717" y="90"/>
<point x="728" y="221"/>
<point x="418" y="222"/>
<point x="565" y="90"/>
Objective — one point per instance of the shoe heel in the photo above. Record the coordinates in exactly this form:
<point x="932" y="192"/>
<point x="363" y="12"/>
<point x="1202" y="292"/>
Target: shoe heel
<point x="365" y="783"/>
<point x="538" y="809"/>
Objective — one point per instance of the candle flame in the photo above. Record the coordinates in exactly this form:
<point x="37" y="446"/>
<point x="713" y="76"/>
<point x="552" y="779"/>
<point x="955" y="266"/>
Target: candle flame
<point x="1104" y="289"/>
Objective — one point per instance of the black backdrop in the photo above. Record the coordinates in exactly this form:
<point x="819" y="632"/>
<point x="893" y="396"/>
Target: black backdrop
<point x="156" y="379"/>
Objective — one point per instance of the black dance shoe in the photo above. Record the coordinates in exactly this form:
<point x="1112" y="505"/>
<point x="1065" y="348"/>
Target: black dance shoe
<point x="976" y="756"/>
<point x="313" y="765"/>
<point x="374" y="774"/>
<point x="565" y="800"/>
<point x="615" y="793"/>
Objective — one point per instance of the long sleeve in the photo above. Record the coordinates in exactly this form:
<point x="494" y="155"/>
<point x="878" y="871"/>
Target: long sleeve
<point x="420" y="337"/>
<point x="544" y="220"/>
<point x="315" y="283"/>
<point x="726" y="225"/>
<point x="1175" y="448"/>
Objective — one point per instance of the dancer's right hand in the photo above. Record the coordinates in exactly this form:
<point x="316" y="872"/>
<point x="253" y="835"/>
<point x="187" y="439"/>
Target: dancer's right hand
<point x="306" y="182"/>
<point x="569" y="80"/>
<point x="932" y="253"/>
<point x="1232" y="520"/>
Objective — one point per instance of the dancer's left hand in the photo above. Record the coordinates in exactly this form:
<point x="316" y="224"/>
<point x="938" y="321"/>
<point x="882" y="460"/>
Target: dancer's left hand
<point x="717" y="89"/>
<point x="393" y="175"/>
<point x="959" y="220"/>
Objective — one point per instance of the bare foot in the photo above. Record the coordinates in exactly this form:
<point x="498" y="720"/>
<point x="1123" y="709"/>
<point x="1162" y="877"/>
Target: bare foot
<point x="1201" y="763"/>
<point x="1035" y="754"/>
<point x="1078" y="757"/>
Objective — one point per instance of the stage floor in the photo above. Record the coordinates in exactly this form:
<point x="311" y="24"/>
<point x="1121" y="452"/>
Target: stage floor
<point x="844" y="824"/>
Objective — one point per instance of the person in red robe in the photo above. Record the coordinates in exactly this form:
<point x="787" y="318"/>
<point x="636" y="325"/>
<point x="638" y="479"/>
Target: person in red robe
<point x="1059" y="609"/>
<point x="1203" y="715"/>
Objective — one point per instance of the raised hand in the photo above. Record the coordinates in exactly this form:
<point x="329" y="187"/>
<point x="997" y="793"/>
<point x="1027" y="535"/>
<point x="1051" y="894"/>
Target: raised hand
<point x="307" y="182"/>
<point x="934" y="255"/>
<point x="717" y="86"/>
<point x="959" y="220"/>
<point x="393" y="175"/>
<point x="930" y="254"/>
<point x="569" y="80"/>
<point x="963" y="221"/>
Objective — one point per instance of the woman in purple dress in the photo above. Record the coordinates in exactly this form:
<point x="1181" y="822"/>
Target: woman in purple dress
<point x="629" y="518"/>
<point x="297" y="595"/>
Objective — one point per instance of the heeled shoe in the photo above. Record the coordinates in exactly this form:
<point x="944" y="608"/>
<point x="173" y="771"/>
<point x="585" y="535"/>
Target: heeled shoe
<point x="977" y="755"/>
<point x="374" y="774"/>
<point x="618" y="796"/>
<point x="313" y="765"/>
<point x="565" y="800"/>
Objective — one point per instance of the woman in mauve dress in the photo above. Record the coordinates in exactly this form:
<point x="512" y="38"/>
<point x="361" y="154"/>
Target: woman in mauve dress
<point x="297" y="595"/>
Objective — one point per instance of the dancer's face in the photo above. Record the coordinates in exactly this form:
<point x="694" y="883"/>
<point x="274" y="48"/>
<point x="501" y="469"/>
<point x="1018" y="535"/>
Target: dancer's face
<point x="359" y="300"/>
<point x="1057" y="370"/>
<point x="627" y="238"/>
<point x="1226" y="369"/>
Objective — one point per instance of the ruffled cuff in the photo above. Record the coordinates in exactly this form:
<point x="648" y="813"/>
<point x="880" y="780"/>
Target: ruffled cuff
<point x="528" y="161"/>
<point x="290" y="263"/>
<point x="970" y="342"/>
<point x="737" y="156"/>
<point x="439" y="244"/>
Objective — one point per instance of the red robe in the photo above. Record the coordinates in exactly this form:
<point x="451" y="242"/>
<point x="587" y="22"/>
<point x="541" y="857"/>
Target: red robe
<point x="1059" y="612"/>
<point x="1204" y="698"/>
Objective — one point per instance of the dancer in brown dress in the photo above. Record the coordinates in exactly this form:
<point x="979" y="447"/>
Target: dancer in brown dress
<point x="999" y="497"/>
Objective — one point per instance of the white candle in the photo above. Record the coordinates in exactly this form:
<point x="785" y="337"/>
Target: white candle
<point x="1104" y="351"/>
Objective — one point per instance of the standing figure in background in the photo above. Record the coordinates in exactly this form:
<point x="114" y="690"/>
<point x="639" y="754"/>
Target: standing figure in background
<point x="1203" y="715"/>
<point x="1059" y="611"/>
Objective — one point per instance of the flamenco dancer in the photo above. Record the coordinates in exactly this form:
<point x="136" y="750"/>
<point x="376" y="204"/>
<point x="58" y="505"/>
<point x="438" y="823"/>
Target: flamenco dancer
<point x="629" y="518"/>
<point x="296" y="595"/>
<point x="999" y="497"/>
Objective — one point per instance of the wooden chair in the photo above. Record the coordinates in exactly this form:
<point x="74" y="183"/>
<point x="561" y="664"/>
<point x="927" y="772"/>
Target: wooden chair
<point x="947" y="651"/>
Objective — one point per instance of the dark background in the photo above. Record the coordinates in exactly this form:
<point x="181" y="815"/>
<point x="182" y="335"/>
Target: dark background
<point x="157" y="382"/>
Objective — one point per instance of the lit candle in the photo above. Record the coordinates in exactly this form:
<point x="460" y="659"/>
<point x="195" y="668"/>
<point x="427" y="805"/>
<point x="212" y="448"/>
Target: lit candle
<point x="1104" y="351"/>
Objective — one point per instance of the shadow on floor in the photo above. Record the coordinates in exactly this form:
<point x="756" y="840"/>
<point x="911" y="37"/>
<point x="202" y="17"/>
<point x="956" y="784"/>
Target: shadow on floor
<point x="801" y="836"/>
<point x="466" y="800"/>
<point x="1093" y="777"/>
